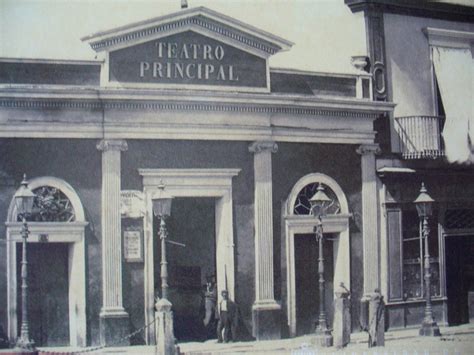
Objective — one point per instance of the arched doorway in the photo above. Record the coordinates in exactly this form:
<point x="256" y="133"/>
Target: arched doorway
<point x="299" y="224"/>
<point x="57" y="257"/>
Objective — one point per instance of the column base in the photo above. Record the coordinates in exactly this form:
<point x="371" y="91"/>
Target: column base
<point x="114" y="327"/>
<point x="429" y="329"/>
<point x="266" y="320"/>
<point x="323" y="338"/>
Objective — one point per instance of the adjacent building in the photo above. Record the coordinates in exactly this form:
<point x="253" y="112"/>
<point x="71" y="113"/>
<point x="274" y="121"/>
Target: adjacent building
<point x="421" y="58"/>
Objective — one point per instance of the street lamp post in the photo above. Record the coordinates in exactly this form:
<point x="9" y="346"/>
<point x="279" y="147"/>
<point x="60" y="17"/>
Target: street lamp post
<point x="164" y="315"/>
<point x="319" y="203"/>
<point x="24" y="199"/>
<point x="162" y="210"/>
<point x="424" y="204"/>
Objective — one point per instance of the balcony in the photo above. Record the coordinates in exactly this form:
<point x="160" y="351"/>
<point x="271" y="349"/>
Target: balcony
<point x="420" y="136"/>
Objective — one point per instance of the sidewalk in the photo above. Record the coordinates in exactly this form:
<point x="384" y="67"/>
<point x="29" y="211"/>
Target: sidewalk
<point x="458" y="340"/>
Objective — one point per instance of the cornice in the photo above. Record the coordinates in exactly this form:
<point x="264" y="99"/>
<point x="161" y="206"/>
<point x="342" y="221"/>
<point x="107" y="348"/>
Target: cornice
<point x="419" y="8"/>
<point x="163" y="106"/>
<point x="449" y="38"/>
<point x="175" y="100"/>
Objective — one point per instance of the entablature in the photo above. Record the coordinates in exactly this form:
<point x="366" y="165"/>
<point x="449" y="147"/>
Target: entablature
<point x="166" y="114"/>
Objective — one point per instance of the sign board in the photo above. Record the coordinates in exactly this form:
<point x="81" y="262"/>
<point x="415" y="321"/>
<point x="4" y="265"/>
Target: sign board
<point x="132" y="204"/>
<point x="187" y="58"/>
<point x="133" y="246"/>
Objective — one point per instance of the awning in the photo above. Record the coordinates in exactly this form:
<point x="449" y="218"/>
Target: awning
<point x="454" y="67"/>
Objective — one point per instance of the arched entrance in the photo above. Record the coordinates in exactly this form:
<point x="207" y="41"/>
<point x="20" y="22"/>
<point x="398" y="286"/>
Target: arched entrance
<point x="56" y="234"/>
<point x="298" y="222"/>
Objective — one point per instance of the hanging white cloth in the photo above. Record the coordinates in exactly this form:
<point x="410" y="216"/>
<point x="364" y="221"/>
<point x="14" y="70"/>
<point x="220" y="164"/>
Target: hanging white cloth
<point x="454" y="72"/>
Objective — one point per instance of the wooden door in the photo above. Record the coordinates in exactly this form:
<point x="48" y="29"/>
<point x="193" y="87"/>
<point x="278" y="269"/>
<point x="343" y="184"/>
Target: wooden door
<point x="48" y="289"/>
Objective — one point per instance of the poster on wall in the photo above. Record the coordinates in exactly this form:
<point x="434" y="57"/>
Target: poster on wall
<point x="133" y="246"/>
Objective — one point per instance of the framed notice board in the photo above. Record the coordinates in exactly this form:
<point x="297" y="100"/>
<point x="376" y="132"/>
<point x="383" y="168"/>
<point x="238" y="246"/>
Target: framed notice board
<point x="133" y="245"/>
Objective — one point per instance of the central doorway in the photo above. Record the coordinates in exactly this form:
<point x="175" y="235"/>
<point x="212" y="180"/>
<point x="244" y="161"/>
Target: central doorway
<point x="192" y="223"/>
<point x="307" y="286"/>
<point x="215" y="184"/>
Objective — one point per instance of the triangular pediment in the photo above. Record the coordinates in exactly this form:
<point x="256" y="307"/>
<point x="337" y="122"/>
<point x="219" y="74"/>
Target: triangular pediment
<point x="199" y="19"/>
<point x="192" y="49"/>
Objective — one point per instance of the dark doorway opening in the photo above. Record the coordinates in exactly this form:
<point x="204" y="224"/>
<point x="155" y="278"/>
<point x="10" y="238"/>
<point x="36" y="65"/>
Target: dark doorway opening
<point x="192" y="222"/>
<point x="459" y="277"/>
<point x="306" y="279"/>
<point x="48" y="292"/>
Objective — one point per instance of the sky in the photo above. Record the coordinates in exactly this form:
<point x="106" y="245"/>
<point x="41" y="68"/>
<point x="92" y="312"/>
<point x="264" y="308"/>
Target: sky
<point x="325" y="32"/>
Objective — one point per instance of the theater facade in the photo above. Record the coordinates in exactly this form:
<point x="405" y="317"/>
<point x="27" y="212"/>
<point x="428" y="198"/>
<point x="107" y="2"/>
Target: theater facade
<point x="186" y="104"/>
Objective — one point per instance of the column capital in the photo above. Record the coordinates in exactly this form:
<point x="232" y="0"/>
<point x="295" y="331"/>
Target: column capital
<point x="112" y="144"/>
<point x="261" y="146"/>
<point x="372" y="148"/>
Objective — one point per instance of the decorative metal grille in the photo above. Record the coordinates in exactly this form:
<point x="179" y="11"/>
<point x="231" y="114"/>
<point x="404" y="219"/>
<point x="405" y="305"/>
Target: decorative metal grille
<point x="303" y="206"/>
<point x="459" y="218"/>
<point x="51" y="205"/>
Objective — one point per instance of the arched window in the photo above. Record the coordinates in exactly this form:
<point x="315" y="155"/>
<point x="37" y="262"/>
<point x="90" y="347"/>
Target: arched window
<point x="51" y="205"/>
<point x="302" y="205"/>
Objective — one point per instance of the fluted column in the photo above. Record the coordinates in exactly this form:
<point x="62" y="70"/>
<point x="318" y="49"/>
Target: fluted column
<point x="266" y="311"/>
<point x="370" y="229"/>
<point x="114" y="319"/>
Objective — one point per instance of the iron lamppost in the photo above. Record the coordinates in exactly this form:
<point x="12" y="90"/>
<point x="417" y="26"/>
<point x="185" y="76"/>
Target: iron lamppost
<point x="162" y="210"/>
<point x="24" y="199"/>
<point x="424" y="207"/>
<point x="319" y="204"/>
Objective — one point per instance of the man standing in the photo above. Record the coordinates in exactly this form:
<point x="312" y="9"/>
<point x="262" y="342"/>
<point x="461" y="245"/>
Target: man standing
<point x="210" y="307"/>
<point x="227" y="319"/>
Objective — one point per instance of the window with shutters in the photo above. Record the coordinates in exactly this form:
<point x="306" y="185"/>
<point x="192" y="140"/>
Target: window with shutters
<point x="406" y="254"/>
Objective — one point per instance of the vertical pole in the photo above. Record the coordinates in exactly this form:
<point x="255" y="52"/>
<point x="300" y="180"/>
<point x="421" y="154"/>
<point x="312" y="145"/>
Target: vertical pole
<point x="164" y="262"/>
<point x="24" y="341"/>
<point x="322" y="324"/>
<point x="324" y="337"/>
<point x="428" y="326"/>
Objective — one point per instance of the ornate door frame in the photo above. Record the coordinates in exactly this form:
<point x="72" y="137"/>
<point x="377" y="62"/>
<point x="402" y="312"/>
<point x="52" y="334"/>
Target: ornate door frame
<point x="57" y="232"/>
<point x="337" y="224"/>
<point x="215" y="183"/>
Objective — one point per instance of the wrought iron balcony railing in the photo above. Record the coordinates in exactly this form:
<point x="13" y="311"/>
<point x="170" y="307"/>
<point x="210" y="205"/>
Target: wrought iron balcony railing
<point x="420" y="136"/>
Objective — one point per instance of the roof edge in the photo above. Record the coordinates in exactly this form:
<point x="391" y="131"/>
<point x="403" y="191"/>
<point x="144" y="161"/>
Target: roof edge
<point x="419" y="8"/>
<point x="186" y="13"/>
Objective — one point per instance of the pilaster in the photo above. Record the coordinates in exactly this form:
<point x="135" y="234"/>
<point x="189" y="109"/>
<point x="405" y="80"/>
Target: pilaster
<point x="113" y="318"/>
<point x="370" y="229"/>
<point x="266" y="311"/>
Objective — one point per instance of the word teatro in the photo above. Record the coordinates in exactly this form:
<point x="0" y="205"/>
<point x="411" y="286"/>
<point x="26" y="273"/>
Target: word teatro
<point x="189" y="61"/>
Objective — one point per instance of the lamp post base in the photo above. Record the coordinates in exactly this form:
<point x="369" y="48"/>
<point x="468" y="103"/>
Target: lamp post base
<point x="323" y="338"/>
<point x="25" y="345"/>
<point x="429" y="329"/>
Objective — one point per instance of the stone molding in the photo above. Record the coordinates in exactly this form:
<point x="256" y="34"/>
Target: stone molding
<point x="261" y="146"/>
<point x="214" y="27"/>
<point x="275" y="108"/>
<point x="449" y="38"/>
<point x="216" y="183"/>
<point x="304" y="224"/>
<point x="112" y="144"/>
<point x="368" y="149"/>
<point x="196" y="18"/>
